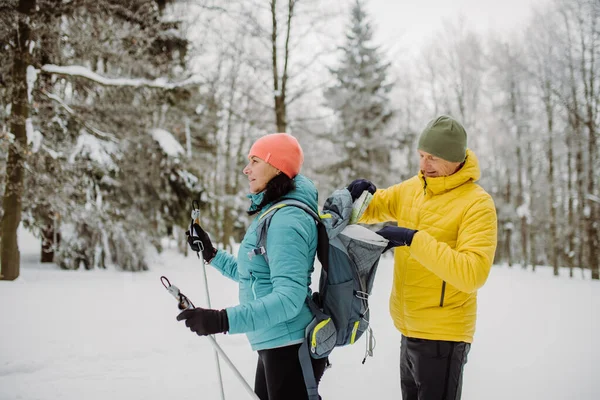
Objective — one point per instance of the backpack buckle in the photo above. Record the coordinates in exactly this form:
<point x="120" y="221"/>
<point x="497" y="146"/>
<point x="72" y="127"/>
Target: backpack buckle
<point x="256" y="251"/>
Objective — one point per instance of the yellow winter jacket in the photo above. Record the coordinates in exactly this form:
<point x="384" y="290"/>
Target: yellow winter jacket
<point x="434" y="294"/>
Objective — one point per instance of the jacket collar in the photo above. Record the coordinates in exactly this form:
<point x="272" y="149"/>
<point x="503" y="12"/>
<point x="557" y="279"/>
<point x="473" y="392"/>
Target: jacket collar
<point x="255" y="200"/>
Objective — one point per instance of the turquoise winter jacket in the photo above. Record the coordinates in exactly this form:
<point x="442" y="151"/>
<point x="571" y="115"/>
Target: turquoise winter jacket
<point x="272" y="310"/>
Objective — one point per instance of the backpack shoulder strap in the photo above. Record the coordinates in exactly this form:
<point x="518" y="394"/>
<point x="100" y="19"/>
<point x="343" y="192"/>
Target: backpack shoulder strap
<point x="265" y="221"/>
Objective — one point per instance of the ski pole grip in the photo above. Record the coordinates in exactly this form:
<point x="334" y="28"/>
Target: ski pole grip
<point x="196" y="216"/>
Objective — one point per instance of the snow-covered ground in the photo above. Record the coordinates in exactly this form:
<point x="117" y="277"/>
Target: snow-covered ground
<point x="74" y="335"/>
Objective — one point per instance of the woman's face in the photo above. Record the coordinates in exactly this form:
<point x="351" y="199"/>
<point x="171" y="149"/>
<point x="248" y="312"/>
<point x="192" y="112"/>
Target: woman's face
<point x="259" y="173"/>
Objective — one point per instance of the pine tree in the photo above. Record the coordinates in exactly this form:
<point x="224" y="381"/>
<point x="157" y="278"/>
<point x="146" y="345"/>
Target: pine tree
<point x="360" y="101"/>
<point x="98" y="188"/>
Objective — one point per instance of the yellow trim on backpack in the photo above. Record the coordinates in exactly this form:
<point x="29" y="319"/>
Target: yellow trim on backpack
<point x="325" y="216"/>
<point x="275" y="207"/>
<point x="319" y="326"/>
<point x="354" y="330"/>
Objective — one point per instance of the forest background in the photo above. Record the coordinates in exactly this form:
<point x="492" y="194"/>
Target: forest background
<point x="116" y="114"/>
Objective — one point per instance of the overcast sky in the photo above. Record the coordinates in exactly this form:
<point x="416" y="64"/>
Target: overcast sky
<point x="401" y="24"/>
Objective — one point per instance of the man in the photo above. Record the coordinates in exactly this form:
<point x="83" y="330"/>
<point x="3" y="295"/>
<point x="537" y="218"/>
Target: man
<point x="446" y="238"/>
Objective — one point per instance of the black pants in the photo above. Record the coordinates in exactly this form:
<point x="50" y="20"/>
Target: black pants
<point x="432" y="369"/>
<point x="279" y="374"/>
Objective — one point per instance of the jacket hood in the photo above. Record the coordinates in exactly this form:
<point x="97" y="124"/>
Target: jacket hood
<point x="305" y="191"/>
<point x="469" y="172"/>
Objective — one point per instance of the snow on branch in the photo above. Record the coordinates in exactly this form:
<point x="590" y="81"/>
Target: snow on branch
<point x="159" y="83"/>
<point x="167" y="142"/>
<point x="96" y="131"/>
<point x="98" y="150"/>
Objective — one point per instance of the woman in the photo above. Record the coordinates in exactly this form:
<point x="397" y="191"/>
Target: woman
<point x="272" y="310"/>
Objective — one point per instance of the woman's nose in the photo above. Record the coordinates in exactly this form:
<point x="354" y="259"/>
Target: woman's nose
<point x="246" y="169"/>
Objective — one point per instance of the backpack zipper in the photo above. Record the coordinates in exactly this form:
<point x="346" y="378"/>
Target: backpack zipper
<point x="319" y="326"/>
<point x="354" y="330"/>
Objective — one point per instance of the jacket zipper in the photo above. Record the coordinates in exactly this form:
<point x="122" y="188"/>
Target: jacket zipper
<point x="443" y="293"/>
<point x="252" y="285"/>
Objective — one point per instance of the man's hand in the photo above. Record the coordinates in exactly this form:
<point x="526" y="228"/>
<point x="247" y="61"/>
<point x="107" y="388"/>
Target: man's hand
<point x="360" y="185"/>
<point x="397" y="236"/>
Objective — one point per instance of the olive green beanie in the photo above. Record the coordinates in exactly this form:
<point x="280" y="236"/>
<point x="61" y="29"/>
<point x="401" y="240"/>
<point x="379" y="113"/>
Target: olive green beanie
<point x="444" y="137"/>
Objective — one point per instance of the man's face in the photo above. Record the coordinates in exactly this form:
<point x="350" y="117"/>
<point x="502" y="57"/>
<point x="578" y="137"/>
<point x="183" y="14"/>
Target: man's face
<point x="433" y="166"/>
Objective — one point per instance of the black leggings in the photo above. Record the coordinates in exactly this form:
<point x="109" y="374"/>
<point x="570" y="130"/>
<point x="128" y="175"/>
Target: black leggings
<point x="279" y="375"/>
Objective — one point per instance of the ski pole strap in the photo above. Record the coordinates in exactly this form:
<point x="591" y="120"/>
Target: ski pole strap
<point x="307" y="371"/>
<point x="183" y="302"/>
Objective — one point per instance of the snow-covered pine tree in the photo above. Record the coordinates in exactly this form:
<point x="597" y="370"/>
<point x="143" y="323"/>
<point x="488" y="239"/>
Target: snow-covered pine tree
<point x="360" y="101"/>
<point x="95" y="174"/>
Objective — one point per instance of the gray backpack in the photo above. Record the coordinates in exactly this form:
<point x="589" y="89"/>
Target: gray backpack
<point x="349" y="255"/>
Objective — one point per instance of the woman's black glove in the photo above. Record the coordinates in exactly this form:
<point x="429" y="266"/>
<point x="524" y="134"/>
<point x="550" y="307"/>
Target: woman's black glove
<point x="205" y="321"/>
<point x="360" y="185"/>
<point x="397" y="236"/>
<point x="199" y="241"/>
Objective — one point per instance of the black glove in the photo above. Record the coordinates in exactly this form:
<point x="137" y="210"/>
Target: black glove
<point x="360" y="185"/>
<point x="199" y="241"/>
<point x="397" y="235"/>
<point x="205" y="321"/>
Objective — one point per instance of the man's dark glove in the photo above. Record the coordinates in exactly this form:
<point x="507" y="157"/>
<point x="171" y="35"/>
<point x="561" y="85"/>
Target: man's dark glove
<point x="199" y="241"/>
<point x="397" y="236"/>
<point x="205" y="321"/>
<point x="360" y="185"/>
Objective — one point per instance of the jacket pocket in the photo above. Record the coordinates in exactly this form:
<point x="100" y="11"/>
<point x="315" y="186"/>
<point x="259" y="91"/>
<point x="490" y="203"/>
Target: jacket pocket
<point x="443" y="294"/>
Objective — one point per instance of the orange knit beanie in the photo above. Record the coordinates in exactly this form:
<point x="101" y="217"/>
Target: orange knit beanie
<point x="281" y="151"/>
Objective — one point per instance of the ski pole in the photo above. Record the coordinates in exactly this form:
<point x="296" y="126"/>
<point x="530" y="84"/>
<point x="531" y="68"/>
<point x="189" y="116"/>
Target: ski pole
<point x="233" y="368"/>
<point x="196" y="219"/>
<point x="185" y="303"/>
<point x="213" y="340"/>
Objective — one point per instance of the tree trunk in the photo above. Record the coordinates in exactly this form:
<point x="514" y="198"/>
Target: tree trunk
<point x="508" y="229"/>
<point x="50" y="240"/>
<point x="588" y="71"/>
<point x="13" y="191"/>
<point x="553" y="237"/>
<point x="528" y="218"/>
<point x="521" y="203"/>
<point x="508" y="225"/>
<point x="279" y="88"/>
<point x="569" y="251"/>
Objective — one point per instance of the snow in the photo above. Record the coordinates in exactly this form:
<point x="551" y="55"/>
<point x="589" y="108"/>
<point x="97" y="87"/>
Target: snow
<point x="191" y="181"/>
<point x="60" y="101"/>
<point x="34" y="137"/>
<point x="524" y="212"/>
<point x="99" y="151"/>
<point x="77" y="70"/>
<point x="32" y="74"/>
<point x="188" y="138"/>
<point x="102" y="334"/>
<point x="593" y="198"/>
<point x="167" y="142"/>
